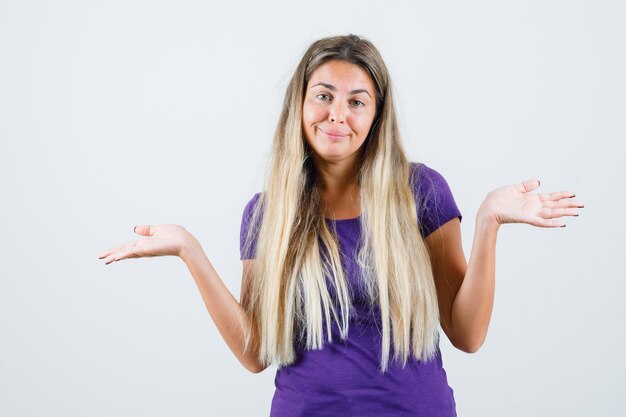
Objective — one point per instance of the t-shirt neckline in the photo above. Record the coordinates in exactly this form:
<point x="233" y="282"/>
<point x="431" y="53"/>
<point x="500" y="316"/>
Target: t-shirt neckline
<point x="343" y="220"/>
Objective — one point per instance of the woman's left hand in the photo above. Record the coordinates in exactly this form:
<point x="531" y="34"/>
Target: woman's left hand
<point x="515" y="204"/>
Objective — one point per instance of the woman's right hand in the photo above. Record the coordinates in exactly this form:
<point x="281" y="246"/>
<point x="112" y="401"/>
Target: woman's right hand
<point x="162" y="240"/>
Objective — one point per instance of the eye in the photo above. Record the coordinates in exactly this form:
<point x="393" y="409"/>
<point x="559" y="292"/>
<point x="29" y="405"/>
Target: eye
<point x="358" y="103"/>
<point x="324" y="97"/>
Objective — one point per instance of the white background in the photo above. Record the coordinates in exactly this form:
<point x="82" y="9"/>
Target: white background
<point x="119" y="113"/>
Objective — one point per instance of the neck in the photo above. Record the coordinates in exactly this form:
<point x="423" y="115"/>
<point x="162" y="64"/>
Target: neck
<point x="337" y="178"/>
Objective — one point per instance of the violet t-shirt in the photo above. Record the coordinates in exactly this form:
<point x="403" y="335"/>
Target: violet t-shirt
<point x="343" y="378"/>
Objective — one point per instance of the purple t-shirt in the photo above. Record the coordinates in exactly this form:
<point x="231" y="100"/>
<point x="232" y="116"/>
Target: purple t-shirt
<point x="343" y="378"/>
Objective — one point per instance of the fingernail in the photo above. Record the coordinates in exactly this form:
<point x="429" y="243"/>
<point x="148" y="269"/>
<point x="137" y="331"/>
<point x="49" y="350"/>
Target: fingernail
<point x="134" y="229"/>
<point x="563" y="226"/>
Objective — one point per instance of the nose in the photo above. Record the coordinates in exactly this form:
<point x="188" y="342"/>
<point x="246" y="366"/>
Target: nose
<point x="337" y="113"/>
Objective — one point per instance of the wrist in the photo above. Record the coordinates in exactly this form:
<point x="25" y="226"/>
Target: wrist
<point x="188" y="247"/>
<point x="486" y="218"/>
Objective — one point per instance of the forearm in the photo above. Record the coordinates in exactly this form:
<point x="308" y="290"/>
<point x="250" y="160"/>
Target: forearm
<point x="473" y="304"/>
<point x="227" y="313"/>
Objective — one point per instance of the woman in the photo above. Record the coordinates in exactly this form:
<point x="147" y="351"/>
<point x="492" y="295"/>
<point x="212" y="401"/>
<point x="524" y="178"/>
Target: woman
<point x="352" y="256"/>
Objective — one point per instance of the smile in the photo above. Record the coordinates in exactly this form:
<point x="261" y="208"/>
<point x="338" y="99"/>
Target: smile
<point x="333" y="135"/>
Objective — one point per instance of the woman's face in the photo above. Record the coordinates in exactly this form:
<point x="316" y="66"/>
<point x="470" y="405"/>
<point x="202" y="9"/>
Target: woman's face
<point x="338" y="110"/>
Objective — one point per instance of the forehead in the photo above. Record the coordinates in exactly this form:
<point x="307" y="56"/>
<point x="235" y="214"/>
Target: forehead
<point x="343" y="75"/>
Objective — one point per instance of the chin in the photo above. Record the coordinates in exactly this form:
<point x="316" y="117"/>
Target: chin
<point x="334" y="157"/>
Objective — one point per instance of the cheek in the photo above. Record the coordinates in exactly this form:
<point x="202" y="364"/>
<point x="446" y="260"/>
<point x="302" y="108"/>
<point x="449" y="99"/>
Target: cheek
<point x="363" y="125"/>
<point x="306" y="118"/>
<point x="310" y="115"/>
<point x="307" y="130"/>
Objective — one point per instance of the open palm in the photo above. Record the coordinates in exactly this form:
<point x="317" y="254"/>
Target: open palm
<point x="161" y="240"/>
<point x="516" y="204"/>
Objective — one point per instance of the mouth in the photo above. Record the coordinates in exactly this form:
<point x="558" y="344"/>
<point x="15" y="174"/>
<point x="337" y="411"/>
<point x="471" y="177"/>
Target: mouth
<point x="333" y="134"/>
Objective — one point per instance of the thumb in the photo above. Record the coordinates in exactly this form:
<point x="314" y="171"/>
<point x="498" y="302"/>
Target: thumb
<point x="528" y="185"/>
<point x="143" y="230"/>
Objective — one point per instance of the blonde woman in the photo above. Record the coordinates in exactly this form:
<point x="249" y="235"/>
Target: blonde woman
<point x="352" y="255"/>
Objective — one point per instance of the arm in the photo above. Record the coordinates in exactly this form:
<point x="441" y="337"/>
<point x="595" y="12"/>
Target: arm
<point x="466" y="292"/>
<point x="226" y="312"/>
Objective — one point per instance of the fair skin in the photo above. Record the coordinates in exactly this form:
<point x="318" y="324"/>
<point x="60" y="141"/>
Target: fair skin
<point x="338" y="110"/>
<point x="337" y="113"/>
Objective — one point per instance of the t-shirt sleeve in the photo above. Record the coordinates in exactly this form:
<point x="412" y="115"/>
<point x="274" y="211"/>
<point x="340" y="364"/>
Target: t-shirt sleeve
<point x="247" y="250"/>
<point x="433" y="198"/>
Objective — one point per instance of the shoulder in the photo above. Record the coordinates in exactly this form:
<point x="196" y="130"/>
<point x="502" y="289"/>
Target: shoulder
<point x="426" y="179"/>
<point x="251" y="204"/>
<point x="434" y="201"/>
<point x="249" y="210"/>
<point x="424" y="171"/>
<point x="249" y="228"/>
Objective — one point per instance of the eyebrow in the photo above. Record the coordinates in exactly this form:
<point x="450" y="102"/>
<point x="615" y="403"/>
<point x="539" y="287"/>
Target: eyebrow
<point x="332" y="88"/>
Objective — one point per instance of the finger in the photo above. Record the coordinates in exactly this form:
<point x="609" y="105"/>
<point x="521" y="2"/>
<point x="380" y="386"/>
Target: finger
<point x="548" y="213"/>
<point x="564" y="203"/>
<point x="115" y="258"/>
<point x="118" y="256"/>
<point x="124" y="251"/>
<point x="550" y="223"/>
<point x="110" y="258"/>
<point x="527" y="186"/>
<point x="144" y="230"/>
<point x="556" y="195"/>
<point x="108" y="252"/>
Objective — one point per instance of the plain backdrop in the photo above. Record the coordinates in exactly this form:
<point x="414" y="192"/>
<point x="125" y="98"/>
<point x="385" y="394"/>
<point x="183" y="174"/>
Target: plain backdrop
<point x="120" y="113"/>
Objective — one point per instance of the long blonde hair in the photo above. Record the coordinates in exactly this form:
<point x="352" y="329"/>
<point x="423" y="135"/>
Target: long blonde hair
<point x="296" y="251"/>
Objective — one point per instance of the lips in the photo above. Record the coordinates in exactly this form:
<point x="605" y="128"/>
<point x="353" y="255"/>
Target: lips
<point x="334" y="134"/>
